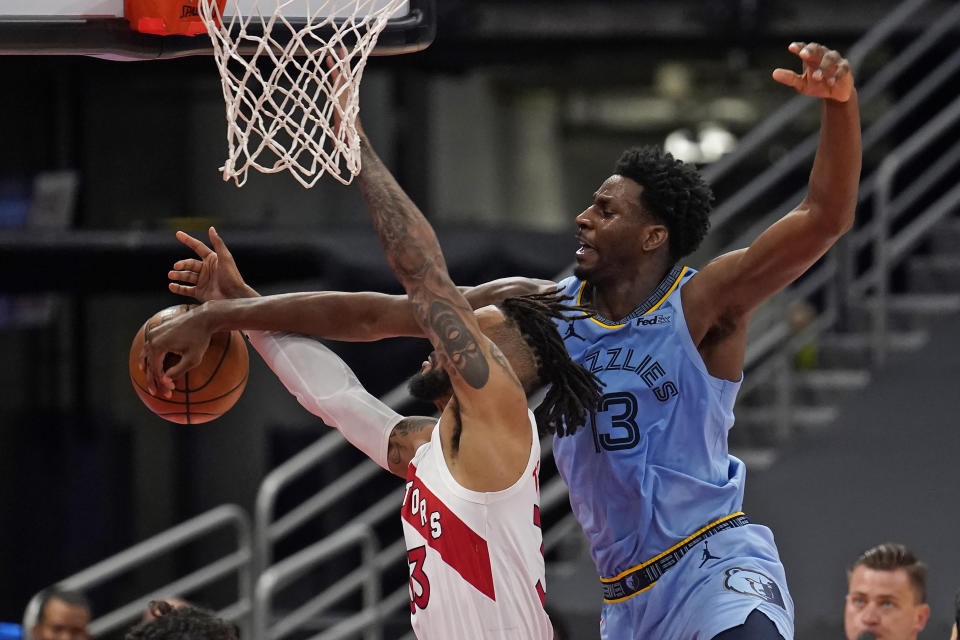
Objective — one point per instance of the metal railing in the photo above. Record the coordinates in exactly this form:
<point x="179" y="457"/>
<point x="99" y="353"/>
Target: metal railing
<point x="237" y="562"/>
<point x="890" y="251"/>
<point x="286" y="571"/>
<point x="268" y="531"/>
<point x="841" y="290"/>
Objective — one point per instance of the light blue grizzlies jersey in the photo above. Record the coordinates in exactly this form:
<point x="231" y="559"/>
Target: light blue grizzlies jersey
<point x="654" y="468"/>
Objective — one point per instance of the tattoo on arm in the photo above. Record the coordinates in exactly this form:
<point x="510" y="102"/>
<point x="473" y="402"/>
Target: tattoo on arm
<point x="412" y="424"/>
<point x="414" y="255"/>
<point x="461" y="346"/>
<point x="404" y="430"/>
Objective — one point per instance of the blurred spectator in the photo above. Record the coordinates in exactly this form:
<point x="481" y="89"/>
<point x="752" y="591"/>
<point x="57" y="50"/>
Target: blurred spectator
<point x="62" y="615"/>
<point x="886" y="595"/>
<point x="182" y="623"/>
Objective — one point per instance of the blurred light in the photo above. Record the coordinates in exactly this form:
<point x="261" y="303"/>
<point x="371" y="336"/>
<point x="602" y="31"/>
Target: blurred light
<point x="682" y="146"/>
<point x="624" y="111"/>
<point x="715" y="141"/>
<point x="733" y="109"/>
<point x="711" y="143"/>
<point x="673" y="80"/>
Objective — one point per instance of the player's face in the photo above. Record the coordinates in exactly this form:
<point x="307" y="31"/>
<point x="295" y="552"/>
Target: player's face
<point x="62" y="621"/>
<point x="884" y="604"/>
<point x="432" y="383"/>
<point x="611" y="231"/>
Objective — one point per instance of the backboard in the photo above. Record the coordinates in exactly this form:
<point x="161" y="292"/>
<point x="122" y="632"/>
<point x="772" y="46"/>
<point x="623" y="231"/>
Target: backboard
<point x="98" y="28"/>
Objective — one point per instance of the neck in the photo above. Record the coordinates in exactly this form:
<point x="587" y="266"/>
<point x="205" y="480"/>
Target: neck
<point x="615" y="298"/>
<point x="441" y="402"/>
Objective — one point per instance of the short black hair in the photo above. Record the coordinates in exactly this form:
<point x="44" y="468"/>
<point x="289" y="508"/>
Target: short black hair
<point x="71" y="597"/>
<point x="182" y="623"/>
<point x="573" y="392"/>
<point x="674" y="192"/>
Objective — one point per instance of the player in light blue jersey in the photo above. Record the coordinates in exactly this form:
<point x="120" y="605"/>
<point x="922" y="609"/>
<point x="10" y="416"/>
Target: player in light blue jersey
<point x="651" y="480"/>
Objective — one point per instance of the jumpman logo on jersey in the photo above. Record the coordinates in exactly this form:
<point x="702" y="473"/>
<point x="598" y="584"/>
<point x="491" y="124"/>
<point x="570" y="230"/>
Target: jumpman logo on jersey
<point x="572" y="332"/>
<point x="707" y="555"/>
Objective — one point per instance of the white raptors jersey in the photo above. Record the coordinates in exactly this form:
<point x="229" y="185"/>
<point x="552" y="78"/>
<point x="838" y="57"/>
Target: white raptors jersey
<point x="476" y="559"/>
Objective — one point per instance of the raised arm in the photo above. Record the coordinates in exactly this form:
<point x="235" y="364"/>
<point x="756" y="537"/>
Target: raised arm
<point x="789" y="247"/>
<point x="486" y="388"/>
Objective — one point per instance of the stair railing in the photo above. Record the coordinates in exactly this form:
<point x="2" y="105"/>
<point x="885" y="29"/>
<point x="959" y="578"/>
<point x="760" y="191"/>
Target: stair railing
<point x="237" y="562"/>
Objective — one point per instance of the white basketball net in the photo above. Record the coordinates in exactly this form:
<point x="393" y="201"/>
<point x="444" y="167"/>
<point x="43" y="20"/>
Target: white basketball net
<point x="281" y="98"/>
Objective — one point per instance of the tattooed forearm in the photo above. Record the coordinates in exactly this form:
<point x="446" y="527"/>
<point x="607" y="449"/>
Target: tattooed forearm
<point x="408" y="429"/>
<point x="408" y="239"/>
<point x="460" y="345"/>
<point x="412" y="424"/>
<point x="414" y="255"/>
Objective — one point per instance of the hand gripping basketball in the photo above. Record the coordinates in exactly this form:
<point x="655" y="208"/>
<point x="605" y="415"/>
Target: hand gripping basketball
<point x="195" y="381"/>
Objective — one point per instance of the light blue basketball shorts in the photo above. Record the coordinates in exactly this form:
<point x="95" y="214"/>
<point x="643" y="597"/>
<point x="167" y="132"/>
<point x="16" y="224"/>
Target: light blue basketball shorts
<point x="714" y="587"/>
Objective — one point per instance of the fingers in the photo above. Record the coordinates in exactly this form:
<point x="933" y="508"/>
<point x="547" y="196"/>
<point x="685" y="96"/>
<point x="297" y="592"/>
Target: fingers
<point x="826" y="73"/>
<point x="184" y="275"/>
<point x="198" y="247"/>
<point x="188" y="273"/>
<point x="151" y="363"/>
<point x="219" y="246"/>
<point x="789" y="78"/>
<point x="186" y="362"/>
<point x="190" y="264"/>
<point x="182" y="290"/>
<point x="825" y="63"/>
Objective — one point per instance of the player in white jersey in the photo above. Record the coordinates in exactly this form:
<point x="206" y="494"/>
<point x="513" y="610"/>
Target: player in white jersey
<point x="475" y="557"/>
<point x="470" y="512"/>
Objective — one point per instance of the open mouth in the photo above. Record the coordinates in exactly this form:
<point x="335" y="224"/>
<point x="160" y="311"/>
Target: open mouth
<point x="583" y="248"/>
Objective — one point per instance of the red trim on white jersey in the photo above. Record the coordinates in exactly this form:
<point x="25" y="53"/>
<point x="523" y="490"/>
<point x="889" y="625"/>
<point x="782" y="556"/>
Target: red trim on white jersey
<point x="461" y="547"/>
<point x="475" y="558"/>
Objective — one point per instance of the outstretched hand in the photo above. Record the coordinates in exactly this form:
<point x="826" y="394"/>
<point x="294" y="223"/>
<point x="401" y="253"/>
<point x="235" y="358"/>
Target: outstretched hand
<point x="213" y="277"/>
<point x="826" y="74"/>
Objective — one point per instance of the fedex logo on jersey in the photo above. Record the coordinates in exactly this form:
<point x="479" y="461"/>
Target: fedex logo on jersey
<point x="649" y="321"/>
<point x="459" y="546"/>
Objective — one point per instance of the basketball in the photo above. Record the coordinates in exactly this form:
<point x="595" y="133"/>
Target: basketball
<point x="203" y="393"/>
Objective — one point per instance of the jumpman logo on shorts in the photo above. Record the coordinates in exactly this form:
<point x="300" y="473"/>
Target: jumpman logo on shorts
<point x="707" y="555"/>
<point x="572" y="333"/>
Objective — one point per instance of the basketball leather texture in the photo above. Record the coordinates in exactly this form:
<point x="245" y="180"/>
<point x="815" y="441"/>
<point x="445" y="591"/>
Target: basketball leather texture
<point x="203" y="393"/>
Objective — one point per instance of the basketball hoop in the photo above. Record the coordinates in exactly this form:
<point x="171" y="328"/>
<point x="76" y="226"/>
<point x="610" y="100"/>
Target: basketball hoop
<point x="280" y="99"/>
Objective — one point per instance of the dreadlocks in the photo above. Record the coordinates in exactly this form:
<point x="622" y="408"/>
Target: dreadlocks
<point x="572" y="391"/>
